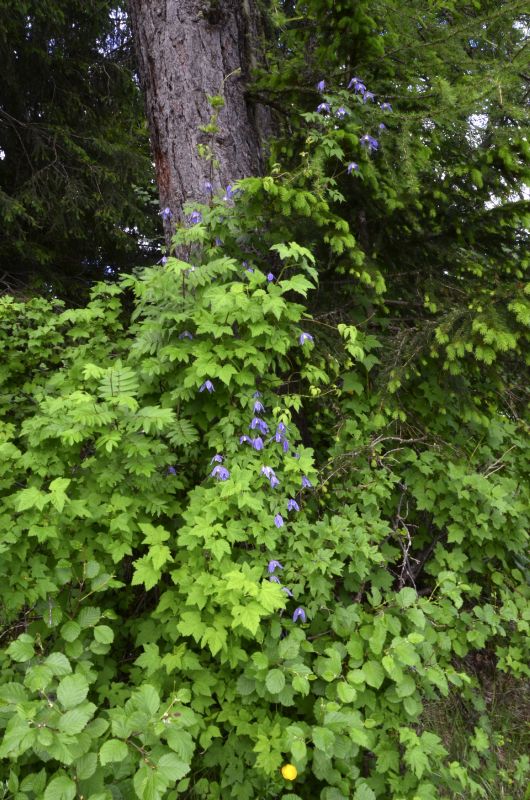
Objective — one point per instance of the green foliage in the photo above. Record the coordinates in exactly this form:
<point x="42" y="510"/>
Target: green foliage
<point x="149" y="649"/>
<point x="76" y="180"/>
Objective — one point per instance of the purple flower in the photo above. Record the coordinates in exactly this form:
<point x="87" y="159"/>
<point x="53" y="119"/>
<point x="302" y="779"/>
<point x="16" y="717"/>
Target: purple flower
<point x="351" y="167"/>
<point x="369" y="142"/>
<point x="275" y="579"/>
<point x="267" y="471"/>
<point x="274" y="481"/>
<point x="357" y="85"/>
<point x="323" y="107"/>
<point x="243" y="439"/>
<point x="341" y="112"/>
<point x="299" y="613"/>
<point x="272" y="565"/>
<point x="217" y="459"/>
<point x="305" y="337"/>
<point x="166" y="213"/>
<point x="270" y="277"/>
<point x="292" y="505"/>
<point x="221" y="473"/>
<point x="257" y="394"/>
<point x="287" y="591"/>
<point x="208" y="385"/>
<point x="306" y="483"/>
<point x="249" y="269"/>
<point x="386" y="107"/>
<point x="171" y="471"/>
<point x="382" y="126"/>
<point x="195" y="217"/>
<point x="229" y="193"/>
<point x="258" y="407"/>
<point x="285" y="445"/>
<point x="260" y="425"/>
<point x="208" y="187"/>
<point x="321" y="85"/>
<point x="278" y="521"/>
<point x="368" y="96"/>
<point x="218" y="242"/>
<point x="163" y="260"/>
<point x="185" y="335"/>
<point x="257" y="443"/>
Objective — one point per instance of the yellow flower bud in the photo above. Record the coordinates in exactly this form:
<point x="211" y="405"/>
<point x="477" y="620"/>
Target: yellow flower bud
<point x="289" y="772"/>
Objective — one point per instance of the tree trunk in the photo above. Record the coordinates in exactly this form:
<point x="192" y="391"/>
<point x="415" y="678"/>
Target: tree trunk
<point x="188" y="49"/>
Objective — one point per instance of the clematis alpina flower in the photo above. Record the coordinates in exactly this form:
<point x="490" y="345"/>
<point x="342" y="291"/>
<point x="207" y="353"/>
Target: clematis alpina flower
<point x="275" y="579"/>
<point x="229" y="193"/>
<point x="323" y="107"/>
<point x="195" y="217"/>
<point x="260" y="425"/>
<point x="292" y="505"/>
<point x="306" y="483"/>
<point x="287" y="591"/>
<point x="171" y="471"/>
<point x="185" y="335"/>
<point x="305" y="337"/>
<point x="221" y="473"/>
<point x="217" y="459"/>
<point x="357" y="85"/>
<point x="368" y="96"/>
<point x="369" y="142"/>
<point x="352" y="166"/>
<point x="244" y="438"/>
<point x="166" y="213"/>
<point x="273" y="564"/>
<point x="285" y="445"/>
<point x="208" y="187"/>
<point x="382" y="126"/>
<point x="257" y="443"/>
<point x="208" y="385"/>
<point x="274" y="481"/>
<point x="278" y="521"/>
<point x="270" y="277"/>
<point x="386" y="107"/>
<point x="321" y="85"/>
<point x="299" y="614"/>
<point x="258" y="407"/>
<point x="341" y="112"/>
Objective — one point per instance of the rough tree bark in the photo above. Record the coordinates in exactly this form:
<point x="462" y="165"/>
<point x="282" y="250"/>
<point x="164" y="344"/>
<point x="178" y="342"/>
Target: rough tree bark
<point x="188" y="49"/>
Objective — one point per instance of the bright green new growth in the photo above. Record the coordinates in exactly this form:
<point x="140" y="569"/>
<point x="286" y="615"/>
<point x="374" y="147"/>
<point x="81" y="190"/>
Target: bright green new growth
<point x="146" y="652"/>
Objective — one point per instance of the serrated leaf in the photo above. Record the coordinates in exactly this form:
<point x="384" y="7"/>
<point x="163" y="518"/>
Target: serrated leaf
<point x="103" y="634"/>
<point x="172" y="767"/>
<point x="60" y="788"/>
<point x="59" y="664"/>
<point x="70" y="630"/>
<point x="113" y="750"/>
<point x="76" y="719"/>
<point x="373" y="673"/>
<point x="88" y="616"/>
<point x="275" y="681"/>
<point x="21" y="649"/>
<point x="72" y="690"/>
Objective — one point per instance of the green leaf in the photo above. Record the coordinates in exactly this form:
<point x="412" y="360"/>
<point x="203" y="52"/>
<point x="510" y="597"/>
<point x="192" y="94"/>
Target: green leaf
<point x="88" y="616"/>
<point x="324" y="740"/>
<point x="60" y="788"/>
<point x="22" y="649"/>
<point x="70" y="631"/>
<point x="59" y="664"/>
<point x="147" y="699"/>
<point x="373" y="673"/>
<point x="72" y="690"/>
<point x="172" y="768"/>
<point x="364" y="792"/>
<point x="113" y="750"/>
<point x="275" y="681"/>
<point x="103" y="634"/>
<point x="74" y="721"/>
